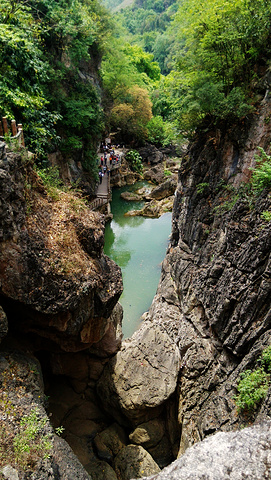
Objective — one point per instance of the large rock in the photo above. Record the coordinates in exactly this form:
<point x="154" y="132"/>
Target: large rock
<point x="100" y="470"/>
<point x="165" y="189"/>
<point x="142" y="376"/>
<point x="151" y="154"/>
<point x="109" y="442"/>
<point x="133" y="462"/>
<point x="225" y="456"/>
<point x="148" y="434"/>
<point x="153" y="209"/>
<point x="155" y="174"/>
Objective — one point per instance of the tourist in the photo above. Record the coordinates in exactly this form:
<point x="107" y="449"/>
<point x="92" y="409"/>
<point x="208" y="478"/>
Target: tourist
<point x="100" y="176"/>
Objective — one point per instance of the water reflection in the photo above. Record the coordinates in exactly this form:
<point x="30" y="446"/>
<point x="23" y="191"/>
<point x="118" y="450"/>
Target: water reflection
<point x="138" y="245"/>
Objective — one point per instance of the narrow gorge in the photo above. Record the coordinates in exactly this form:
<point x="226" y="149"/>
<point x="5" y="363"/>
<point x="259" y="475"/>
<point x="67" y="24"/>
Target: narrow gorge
<point x="130" y="408"/>
<point x="175" y="95"/>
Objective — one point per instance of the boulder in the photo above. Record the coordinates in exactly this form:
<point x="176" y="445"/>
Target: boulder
<point x="100" y="470"/>
<point x="155" y="209"/>
<point x="66" y="463"/>
<point x="131" y="197"/>
<point x="111" y="340"/>
<point x="109" y="442"/>
<point x="148" y="434"/>
<point x="155" y="174"/>
<point x="134" y="462"/>
<point x="151" y="154"/>
<point x="162" y="452"/>
<point x="225" y="456"/>
<point x="141" y="377"/>
<point x="165" y="189"/>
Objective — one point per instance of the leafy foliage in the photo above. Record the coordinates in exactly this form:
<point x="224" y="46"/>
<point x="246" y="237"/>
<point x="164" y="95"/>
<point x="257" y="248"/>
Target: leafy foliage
<point x="160" y="132"/>
<point x="135" y="161"/>
<point x="44" y="45"/>
<point x="31" y="442"/>
<point x="133" y="115"/>
<point x="254" y="384"/>
<point x="216" y="64"/>
<point x="261" y="174"/>
<point x="147" y="23"/>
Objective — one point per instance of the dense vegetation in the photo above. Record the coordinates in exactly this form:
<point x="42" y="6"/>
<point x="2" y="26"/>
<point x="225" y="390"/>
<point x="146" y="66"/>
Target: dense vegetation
<point x="49" y="52"/>
<point x="165" y="66"/>
<point x="211" y="54"/>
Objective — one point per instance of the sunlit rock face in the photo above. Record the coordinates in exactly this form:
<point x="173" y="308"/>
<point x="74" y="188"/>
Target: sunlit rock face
<point x="231" y="456"/>
<point x="142" y="376"/>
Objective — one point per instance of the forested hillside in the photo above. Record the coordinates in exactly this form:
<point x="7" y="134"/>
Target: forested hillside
<point x="71" y="71"/>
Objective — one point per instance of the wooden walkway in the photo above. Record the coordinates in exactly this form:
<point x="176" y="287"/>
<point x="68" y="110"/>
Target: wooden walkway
<point x="103" y="192"/>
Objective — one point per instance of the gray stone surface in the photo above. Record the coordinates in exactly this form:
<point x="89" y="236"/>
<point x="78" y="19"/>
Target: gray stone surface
<point x="142" y="376"/>
<point x="165" y="189"/>
<point x="109" y="442"/>
<point x="240" y="455"/>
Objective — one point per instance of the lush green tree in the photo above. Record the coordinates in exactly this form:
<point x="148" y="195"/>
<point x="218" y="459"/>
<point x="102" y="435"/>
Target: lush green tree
<point x="24" y="73"/>
<point x="216" y="68"/>
<point x="143" y="62"/>
<point x="131" y="117"/>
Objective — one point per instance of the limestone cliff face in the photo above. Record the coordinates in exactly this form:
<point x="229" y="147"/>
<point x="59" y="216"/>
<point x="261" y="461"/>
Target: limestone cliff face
<point x="216" y="276"/>
<point x="52" y="267"/>
<point x="218" y="266"/>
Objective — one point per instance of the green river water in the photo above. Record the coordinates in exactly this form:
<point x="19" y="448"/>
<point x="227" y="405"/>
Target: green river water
<point x="138" y="245"/>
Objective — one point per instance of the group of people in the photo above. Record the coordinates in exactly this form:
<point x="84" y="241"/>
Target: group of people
<point x="108" y="159"/>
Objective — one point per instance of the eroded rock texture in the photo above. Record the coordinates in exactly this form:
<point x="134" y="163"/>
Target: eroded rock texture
<point x="52" y="266"/>
<point x="138" y="380"/>
<point x="227" y="456"/>
<point x="217" y="271"/>
<point x="41" y="455"/>
<point x="58" y="300"/>
<point x="213" y="301"/>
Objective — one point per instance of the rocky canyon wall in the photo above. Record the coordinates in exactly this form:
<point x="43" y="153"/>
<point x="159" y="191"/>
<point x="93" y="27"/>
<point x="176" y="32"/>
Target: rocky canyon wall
<point x="210" y="318"/>
<point x="59" y="305"/>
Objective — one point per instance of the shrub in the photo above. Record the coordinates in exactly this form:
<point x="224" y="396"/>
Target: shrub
<point x="261" y="176"/>
<point x="135" y="161"/>
<point x="202" y="187"/>
<point x="156" y="130"/>
<point x="253" y="385"/>
<point x="32" y="442"/>
<point x="266" y="215"/>
<point x="252" y="389"/>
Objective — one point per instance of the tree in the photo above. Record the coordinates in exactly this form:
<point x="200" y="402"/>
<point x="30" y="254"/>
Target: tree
<point x="132" y="117"/>
<point x="216" y="67"/>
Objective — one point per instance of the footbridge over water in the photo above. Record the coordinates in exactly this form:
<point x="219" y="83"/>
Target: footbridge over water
<point x="103" y="192"/>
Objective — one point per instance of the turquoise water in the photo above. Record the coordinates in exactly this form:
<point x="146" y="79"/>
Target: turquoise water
<point x="138" y="245"/>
